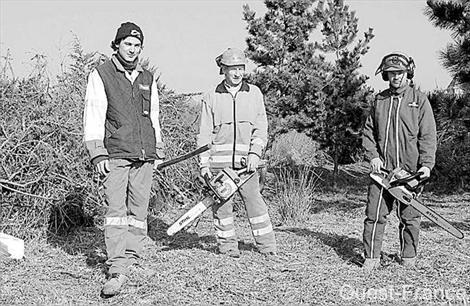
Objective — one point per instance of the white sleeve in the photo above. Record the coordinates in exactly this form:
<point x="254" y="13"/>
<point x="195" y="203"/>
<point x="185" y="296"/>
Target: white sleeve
<point x="155" y="111"/>
<point x="96" y="104"/>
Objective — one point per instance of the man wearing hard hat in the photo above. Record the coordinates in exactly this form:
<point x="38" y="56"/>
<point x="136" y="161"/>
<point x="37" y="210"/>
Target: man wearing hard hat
<point x="233" y="119"/>
<point x="400" y="131"/>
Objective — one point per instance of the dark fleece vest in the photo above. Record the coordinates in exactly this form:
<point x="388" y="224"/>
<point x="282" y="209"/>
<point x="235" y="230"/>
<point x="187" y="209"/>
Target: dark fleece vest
<point x="128" y="129"/>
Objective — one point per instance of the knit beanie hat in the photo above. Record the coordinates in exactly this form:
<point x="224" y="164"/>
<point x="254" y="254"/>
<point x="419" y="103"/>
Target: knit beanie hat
<point x="129" y="29"/>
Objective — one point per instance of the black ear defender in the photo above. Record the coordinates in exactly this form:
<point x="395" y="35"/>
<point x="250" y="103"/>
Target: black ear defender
<point x="396" y="59"/>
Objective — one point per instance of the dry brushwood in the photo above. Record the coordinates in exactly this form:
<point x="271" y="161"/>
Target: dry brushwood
<point x="46" y="180"/>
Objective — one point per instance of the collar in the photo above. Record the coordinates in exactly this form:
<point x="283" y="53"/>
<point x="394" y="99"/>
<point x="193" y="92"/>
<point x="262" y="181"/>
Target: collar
<point x="399" y="91"/>
<point x="119" y="67"/>
<point x="222" y="89"/>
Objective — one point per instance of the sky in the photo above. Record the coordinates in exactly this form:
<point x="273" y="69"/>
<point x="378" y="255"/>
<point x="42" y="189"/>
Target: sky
<point x="182" y="38"/>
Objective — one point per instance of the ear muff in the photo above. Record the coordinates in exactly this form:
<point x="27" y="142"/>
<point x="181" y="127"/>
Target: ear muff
<point x="410" y="66"/>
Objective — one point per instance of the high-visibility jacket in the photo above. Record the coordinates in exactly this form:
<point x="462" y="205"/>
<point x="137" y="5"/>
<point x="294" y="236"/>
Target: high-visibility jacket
<point x="401" y="130"/>
<point x="235" y="125"/>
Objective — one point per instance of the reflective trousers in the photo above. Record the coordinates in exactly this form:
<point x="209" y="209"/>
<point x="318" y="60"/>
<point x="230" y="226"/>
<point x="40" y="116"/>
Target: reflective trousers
<point x="126" y="192"/>
<point x="258" y="217"/>
<point x="379" y="206"/>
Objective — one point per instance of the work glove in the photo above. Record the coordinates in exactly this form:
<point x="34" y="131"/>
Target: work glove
<point x="206" y="171"/>
<point x="426" y="172"/>
<point x="376" y="164"/>
<point x="102" y="167"/>
<point x="252" y="163"/>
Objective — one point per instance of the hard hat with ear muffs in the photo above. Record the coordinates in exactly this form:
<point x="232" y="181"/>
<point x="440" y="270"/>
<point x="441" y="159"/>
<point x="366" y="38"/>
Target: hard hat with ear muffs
<point x="396" y="61"/>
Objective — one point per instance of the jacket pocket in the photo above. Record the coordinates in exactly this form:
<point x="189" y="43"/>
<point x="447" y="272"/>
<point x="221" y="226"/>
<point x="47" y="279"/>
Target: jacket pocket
<point x="146" y="102"/>
<point x="110" y="128"/>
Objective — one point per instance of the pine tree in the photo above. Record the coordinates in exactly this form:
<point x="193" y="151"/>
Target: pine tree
<point x="454" y="16"/>
<point x="451" y="110"/>
<point x="290" y="73"/>
<point x="347" y="95"/>
<point x="325" y="99"/>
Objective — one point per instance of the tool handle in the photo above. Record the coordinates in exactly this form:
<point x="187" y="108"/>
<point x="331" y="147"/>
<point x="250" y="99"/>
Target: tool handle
<point x="408" y="179"/>
<point x="184" y="157"/>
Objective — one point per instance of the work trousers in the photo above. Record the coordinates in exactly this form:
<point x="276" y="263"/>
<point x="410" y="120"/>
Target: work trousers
<point x="258" y="217"/>
<point x="126" y="192"/>
<point x="379" y="205"/>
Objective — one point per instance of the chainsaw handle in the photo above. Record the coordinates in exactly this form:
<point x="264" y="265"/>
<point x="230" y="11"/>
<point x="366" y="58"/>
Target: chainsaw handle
<point x="403" y="181"/>
<point x="244" y="160"/>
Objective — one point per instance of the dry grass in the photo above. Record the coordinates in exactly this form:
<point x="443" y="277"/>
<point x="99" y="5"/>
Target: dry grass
<point x="318" y="264"/>
<point x="294" y="194"/>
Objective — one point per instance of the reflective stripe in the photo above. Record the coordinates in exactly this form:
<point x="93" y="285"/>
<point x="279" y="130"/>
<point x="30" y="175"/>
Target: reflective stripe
<point x="225" y="159"/>
<point x="259" y="219"/>
<point x="115" y="221"/>
<point x="226" y="234"/>
<point x="223" y="222"/>
<point x="229" y="147"/>
<point x="375" y="223"/>
<point x="263" y="231"/>
<point x="136" y="223"/>
<point x="258" y="141"/>
<point x="397" y="117"/>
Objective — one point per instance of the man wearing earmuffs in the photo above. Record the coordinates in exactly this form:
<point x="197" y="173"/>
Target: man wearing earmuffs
<point x="400" y="131"/>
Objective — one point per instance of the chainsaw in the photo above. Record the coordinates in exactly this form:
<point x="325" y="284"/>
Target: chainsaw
<point x="406" y="187"/>
<point x="219" y="189"/>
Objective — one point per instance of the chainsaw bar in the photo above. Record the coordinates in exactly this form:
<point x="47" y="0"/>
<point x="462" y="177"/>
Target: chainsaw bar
<point x="215" y="196"/>
<point x="408" y="198"/>
<point x="190" y="215"/>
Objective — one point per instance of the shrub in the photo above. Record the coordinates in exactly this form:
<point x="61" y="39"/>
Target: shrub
<point x="47" y="183"/>
<point x="295" y="149"/>
<point x="294" y="197"/>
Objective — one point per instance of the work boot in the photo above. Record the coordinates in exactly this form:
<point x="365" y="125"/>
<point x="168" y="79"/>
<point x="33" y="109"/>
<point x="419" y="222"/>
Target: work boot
<point x="408" y="262"/>
<point x="113" y="285"/>
<point x="371" y="264"/>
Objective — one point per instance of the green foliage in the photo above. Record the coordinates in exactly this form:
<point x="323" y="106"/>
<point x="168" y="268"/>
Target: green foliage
<point x="325" y="100"/>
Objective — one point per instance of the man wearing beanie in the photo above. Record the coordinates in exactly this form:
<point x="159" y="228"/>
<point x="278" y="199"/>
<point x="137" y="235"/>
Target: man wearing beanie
<point x="122" y="136"/>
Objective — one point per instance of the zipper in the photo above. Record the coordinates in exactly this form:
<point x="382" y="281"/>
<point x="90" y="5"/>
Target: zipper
<point x="234" y="129"/>
<point x="142" y="150"/>
<point x="387" y="131"/>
